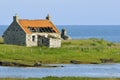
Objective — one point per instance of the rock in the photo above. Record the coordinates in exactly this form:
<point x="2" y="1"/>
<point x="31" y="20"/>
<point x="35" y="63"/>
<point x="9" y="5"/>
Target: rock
<point x="82" y="62"/>
<point x="37" y="64"/>
<point x="106" y="60"/>
<point x="0" y="63"/>
<point x="75" y="62"/>
<point x="6" y="64"/>
<point x="94" y="63"/>
<point x="3" y="63"/>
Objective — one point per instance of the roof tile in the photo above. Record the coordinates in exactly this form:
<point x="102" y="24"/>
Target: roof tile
<point x="36" y="23"/>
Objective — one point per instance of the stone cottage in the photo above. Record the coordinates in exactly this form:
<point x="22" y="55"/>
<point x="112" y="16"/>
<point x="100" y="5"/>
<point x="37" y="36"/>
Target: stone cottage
<point x="32" y="33"/>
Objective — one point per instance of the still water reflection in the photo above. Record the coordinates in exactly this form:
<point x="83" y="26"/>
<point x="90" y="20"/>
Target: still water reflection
<point x="81" y="70"/>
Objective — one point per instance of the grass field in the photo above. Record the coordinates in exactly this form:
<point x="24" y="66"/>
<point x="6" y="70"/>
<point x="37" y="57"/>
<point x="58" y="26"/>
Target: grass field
<point x="87" y="50"/>
<point x="62" y="78"/>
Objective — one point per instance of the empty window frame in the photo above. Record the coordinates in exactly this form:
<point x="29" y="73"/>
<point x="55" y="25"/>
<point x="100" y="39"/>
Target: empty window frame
<point x="33" y="38"/>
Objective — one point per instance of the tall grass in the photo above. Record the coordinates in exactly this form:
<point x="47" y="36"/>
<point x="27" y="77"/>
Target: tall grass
<point x="91" y="50"/>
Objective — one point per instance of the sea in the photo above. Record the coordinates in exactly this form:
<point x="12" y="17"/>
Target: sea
<point x="107" y="32"/>
<point x="76" y="70"/>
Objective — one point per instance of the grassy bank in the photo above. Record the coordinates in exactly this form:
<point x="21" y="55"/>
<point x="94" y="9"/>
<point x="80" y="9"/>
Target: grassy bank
<point x="63" y="78"/>
<point x="87" y="50"/>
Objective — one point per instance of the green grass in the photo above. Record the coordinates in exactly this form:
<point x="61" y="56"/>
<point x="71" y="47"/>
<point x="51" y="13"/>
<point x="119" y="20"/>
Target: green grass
<point x="87" y="50"/>
<point x="62" y="78"/>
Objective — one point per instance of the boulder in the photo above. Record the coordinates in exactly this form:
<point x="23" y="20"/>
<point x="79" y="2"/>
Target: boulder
<point x="37" y="64"/>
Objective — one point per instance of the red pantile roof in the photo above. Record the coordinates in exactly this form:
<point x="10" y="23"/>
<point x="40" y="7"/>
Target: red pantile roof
<point x="36" y="23"/>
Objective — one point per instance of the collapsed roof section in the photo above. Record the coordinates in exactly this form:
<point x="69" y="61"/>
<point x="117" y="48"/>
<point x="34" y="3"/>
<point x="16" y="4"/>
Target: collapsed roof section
<point x="32" y="26"/>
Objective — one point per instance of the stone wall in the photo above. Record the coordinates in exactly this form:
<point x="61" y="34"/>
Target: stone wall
<point x="54" y="43"/>
<point x="14" y="35"/>
<point x="30" y="42"/>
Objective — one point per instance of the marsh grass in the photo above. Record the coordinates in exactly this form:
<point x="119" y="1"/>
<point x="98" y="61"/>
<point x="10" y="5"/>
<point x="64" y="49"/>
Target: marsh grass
<point x="91" y="50"/>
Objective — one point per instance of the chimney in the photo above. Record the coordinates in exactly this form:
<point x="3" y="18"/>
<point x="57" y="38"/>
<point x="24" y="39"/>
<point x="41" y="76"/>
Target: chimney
<point x="15" y="18"/>
<point x="48" y="17"/>
<point x="63" y="32"/>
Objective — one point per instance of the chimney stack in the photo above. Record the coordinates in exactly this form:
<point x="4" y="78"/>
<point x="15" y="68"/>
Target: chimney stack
<point x="48" y="17"/>
<point x="15" y="18"/>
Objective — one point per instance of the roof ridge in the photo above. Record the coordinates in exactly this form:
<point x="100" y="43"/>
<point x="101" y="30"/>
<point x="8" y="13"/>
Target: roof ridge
<point x="34" y="19"/>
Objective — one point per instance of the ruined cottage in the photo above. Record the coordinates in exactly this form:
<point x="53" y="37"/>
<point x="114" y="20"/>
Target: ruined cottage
<point x="32" y="33"/>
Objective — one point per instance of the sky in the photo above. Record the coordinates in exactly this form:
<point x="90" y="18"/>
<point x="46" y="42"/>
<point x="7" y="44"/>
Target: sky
<point x="63" y="12"/>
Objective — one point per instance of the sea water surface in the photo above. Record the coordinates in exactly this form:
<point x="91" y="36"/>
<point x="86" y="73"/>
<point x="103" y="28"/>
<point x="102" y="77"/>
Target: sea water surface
<point x="77" y="70"/>
<point x="107" y="32"/>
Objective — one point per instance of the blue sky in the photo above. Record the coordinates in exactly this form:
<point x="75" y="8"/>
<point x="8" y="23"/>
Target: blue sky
<point x="63" y="12"/>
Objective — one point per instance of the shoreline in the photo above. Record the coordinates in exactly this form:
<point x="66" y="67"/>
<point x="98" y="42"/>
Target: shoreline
<point x="14" y="64"/>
